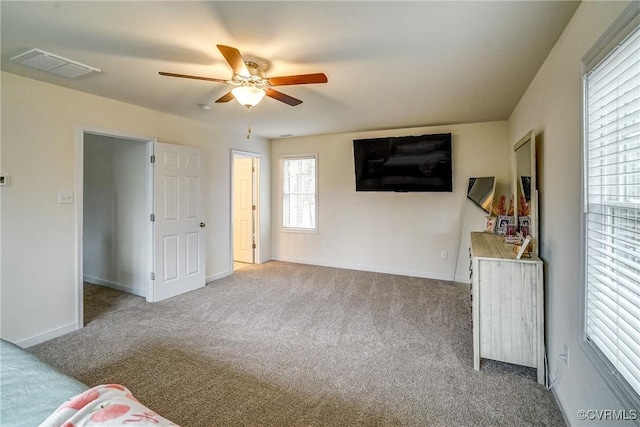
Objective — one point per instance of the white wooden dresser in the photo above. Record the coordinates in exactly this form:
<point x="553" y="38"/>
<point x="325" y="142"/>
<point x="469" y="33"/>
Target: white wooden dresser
<point x="508" y="304"/>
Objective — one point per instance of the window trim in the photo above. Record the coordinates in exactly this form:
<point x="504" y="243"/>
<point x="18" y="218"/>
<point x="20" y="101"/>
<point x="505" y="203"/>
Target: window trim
<point x="301" y="230"/>
<point x="622" y="27"/>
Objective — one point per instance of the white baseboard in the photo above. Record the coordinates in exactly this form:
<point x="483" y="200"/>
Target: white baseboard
<point x="349" y="266"/>
<point x="463" y="286"/>
<point x="218" y="276"/>
<point x="561" y="407"/>
<point x="141" y="292"/>
<point x="54" y="333"/>
<point x="463" y="279"/>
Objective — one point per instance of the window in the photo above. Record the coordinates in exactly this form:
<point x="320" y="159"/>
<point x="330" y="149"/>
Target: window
<point x="612" y="207"/>
<point x="299" y="193"/>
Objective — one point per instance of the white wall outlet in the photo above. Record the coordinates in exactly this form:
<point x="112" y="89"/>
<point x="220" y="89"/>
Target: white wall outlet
<point x="444" y="255"/>
<point x="65" y="197"/>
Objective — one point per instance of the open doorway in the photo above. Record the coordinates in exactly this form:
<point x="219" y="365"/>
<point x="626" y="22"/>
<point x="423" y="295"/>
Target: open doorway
<point x="245" y="208"/>
<point x="140" y="222"/>
<point x="115" y="235"/>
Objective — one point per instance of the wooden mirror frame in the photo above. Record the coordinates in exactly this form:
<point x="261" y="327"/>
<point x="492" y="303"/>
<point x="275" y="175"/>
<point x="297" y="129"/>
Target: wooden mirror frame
<point x="526" y="142"/>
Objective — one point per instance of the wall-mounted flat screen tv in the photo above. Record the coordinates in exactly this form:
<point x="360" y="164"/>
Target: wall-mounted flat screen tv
<point x="405" y="163"/>
<point x="481" y="190"/>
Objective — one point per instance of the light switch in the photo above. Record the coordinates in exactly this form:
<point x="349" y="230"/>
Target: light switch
<point x="65" y="197"/>
<point x="4" y="180"/>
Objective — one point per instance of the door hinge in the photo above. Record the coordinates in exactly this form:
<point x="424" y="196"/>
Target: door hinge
<point x="153" y="159"/>
<point x="253" y="246"/>
<point x="253" y="169"/>
<point x="153" y="276"/>
<point x="152" y="217"/>
<point x="253" y="207"/>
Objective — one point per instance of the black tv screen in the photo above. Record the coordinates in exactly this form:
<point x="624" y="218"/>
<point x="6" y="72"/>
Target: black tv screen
<point x="405" y="163"/>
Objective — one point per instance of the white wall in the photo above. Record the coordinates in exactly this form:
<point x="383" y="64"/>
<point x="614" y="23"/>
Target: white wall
<point x="552" y="106"/>
<point x="39" y="263"/>
<point x="117" y="231"/>
<point x="401" y="233"/>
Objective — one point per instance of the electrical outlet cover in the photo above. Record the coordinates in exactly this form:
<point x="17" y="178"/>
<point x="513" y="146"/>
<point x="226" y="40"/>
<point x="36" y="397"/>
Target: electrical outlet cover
<point x="65" y="197"/>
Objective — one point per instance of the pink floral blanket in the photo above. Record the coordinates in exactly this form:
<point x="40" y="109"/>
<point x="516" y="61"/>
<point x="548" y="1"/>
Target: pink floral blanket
<point x="105" y="405"/>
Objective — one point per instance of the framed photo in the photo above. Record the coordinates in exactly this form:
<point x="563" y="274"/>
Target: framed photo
<point x="524" y="249"/>
<point x="503" y="222"/>
<point x="489" y="224"/>
<point x="524" y="225"/>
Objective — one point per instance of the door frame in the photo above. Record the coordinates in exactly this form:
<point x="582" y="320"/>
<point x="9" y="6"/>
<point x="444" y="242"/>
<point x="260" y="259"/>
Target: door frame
<point x="257" y="257"/>
<point x="81" y="130"/>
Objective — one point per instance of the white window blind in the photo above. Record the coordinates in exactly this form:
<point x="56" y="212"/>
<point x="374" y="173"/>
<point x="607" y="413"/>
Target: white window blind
<point x="299" y="193"/>
<point x="612" y="221"/>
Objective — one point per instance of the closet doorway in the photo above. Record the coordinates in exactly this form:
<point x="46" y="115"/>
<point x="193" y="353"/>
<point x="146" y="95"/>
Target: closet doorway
<point x="140" y="221"/>
<point x="117" y="235"/>
<point x="245" y="208"/>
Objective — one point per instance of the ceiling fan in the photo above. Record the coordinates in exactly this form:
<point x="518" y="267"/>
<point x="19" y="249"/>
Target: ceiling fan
<point x="250" y="83"/>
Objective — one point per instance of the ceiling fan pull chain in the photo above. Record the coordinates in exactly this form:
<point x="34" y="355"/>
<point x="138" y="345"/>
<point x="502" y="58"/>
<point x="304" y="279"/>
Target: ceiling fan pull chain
<point x="249" y="124"/>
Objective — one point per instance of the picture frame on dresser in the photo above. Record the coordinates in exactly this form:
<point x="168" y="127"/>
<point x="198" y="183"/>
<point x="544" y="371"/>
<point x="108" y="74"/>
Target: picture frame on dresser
<point x="502" y="223"/>
<point x="524" y="225"/>
<point x="489" y="224"/>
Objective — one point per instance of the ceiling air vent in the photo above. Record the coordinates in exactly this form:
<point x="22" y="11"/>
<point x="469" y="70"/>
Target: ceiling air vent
<point x="54" y="64"/>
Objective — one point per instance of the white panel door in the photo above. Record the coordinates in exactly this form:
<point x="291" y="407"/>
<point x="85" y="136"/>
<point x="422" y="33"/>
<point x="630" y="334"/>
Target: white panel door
<point x="243" y="210"/>
<point x="178" y="229"/>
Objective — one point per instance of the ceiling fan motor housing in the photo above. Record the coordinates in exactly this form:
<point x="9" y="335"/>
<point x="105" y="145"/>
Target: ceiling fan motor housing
<point x="254" y="69"/>
<point x="256" y="79"/>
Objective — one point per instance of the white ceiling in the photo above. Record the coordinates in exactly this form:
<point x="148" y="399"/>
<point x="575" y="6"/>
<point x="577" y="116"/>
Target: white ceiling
<point x="389" y="64"/>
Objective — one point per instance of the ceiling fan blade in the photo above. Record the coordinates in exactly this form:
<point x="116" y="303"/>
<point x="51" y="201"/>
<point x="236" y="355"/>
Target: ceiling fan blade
<point x="298" y="80"/>
<point x="187" y="76"/>
<point x="272" y="93"/>
<point x="234" y="58"/>
<point x="225" y="98"/>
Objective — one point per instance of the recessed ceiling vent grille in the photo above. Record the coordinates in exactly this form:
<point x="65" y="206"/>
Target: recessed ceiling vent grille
<point x="54" y="64"/>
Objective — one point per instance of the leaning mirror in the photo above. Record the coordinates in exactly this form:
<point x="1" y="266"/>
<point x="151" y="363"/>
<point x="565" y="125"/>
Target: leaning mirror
<point x="480" y="194"/>
<point x="525" y="187"/>
<point x="480" y="191"/>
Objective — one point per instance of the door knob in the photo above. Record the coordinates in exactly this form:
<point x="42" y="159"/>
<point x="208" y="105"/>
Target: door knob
<point x="203" y="225"/>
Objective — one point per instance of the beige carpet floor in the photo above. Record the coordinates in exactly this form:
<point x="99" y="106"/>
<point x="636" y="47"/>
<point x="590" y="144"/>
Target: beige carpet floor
<point x="283" y="344"/>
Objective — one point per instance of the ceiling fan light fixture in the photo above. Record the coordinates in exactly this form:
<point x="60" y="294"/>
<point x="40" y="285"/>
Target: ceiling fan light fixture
<point x="248" y="96"/>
